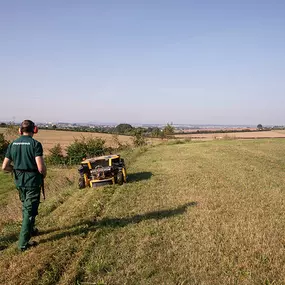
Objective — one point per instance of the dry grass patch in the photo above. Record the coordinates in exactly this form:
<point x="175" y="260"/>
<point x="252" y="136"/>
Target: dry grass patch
<point x="237" y="135"/>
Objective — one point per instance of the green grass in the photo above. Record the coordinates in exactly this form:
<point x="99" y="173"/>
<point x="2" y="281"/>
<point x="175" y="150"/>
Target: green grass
<point x="6" y="185"/>
<point x="192" y="213"/>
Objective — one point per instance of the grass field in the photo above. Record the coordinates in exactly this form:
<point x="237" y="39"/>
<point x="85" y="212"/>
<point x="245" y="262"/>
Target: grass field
<point x="195" y="213"/>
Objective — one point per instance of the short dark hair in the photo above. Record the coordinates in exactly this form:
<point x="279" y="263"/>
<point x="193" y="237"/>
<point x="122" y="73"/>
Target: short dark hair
<point x="27" y="126"/>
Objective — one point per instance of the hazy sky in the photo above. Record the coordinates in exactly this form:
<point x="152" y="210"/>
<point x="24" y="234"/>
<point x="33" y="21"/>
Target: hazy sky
<point x="151" y="61"/>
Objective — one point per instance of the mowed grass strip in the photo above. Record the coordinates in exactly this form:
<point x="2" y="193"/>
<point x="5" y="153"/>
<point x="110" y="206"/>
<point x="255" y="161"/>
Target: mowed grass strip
<point x="196" y="213"/>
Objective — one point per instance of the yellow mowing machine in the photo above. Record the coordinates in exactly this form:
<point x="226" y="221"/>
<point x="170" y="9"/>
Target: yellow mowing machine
<point x="102" y="170"/>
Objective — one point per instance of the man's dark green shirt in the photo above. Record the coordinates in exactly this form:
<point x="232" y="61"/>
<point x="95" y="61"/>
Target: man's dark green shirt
<point x="23" y="152"/>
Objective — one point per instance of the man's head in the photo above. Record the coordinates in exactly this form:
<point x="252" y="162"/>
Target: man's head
<point x="28" y="127"/>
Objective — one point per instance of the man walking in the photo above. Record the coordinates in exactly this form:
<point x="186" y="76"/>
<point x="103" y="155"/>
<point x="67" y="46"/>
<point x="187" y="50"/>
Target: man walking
<point x="29" y="172"/>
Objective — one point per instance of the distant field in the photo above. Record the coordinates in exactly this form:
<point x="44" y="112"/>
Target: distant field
<point x="50" y="137"/>
<point x="237" y="135"/>
<point x="198" y="213"/>
<point x="281" y="131"/>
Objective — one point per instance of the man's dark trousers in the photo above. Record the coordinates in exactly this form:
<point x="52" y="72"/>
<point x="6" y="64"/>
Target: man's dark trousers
<point x="30" y="197"/>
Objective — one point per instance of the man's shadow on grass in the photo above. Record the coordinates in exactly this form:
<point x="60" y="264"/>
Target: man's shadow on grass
<point x="2" y="247"/>
<point x="113" y="223"/>
<point x="5" y="240"/>
<point x="9" y="238"/>
<point x="139" y="176"/>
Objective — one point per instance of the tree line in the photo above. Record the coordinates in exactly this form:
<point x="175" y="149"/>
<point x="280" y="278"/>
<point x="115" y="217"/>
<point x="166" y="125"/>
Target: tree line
<point x="121" y="129"/>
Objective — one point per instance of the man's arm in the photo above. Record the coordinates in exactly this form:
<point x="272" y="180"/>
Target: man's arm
<point x="41" y="165"/>
<point x="6" y="166"/>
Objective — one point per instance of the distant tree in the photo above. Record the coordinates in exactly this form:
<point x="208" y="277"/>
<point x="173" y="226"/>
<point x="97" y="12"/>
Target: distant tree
<point x="168" y="130"/>
<point x="56" y="155"/>
<point x="84" y="148"/>
<point x="139" y="139"/>
<point x="3" y="146"/>
<point x="3" y="125"/>
<point x="259" y="127"/>
<point x="123" y="128"/>
<point x="140" y="130"/>
<point x="156" y="132"/>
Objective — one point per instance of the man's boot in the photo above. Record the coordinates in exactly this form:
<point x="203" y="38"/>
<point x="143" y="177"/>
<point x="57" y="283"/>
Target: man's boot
<point x="35" y="232"/>
<point x="29" y="245"/>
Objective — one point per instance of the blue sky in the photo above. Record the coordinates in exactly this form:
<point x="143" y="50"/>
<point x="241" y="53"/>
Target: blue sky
<point x="195" y="62"/>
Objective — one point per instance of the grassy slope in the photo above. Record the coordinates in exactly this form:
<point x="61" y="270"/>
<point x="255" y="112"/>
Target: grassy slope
<point x="197" y="213"/>
<point x="6" y="186"/>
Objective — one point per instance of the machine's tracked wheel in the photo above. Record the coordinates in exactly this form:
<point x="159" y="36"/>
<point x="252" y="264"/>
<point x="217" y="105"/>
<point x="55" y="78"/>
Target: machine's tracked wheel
<point x="81" y="183"/>
<point x="120" y="178"/>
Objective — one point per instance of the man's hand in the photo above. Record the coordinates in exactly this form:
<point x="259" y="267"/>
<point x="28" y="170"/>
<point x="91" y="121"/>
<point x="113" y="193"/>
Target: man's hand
<point x="41" y="165"/>
<point x="6" y="166"/>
